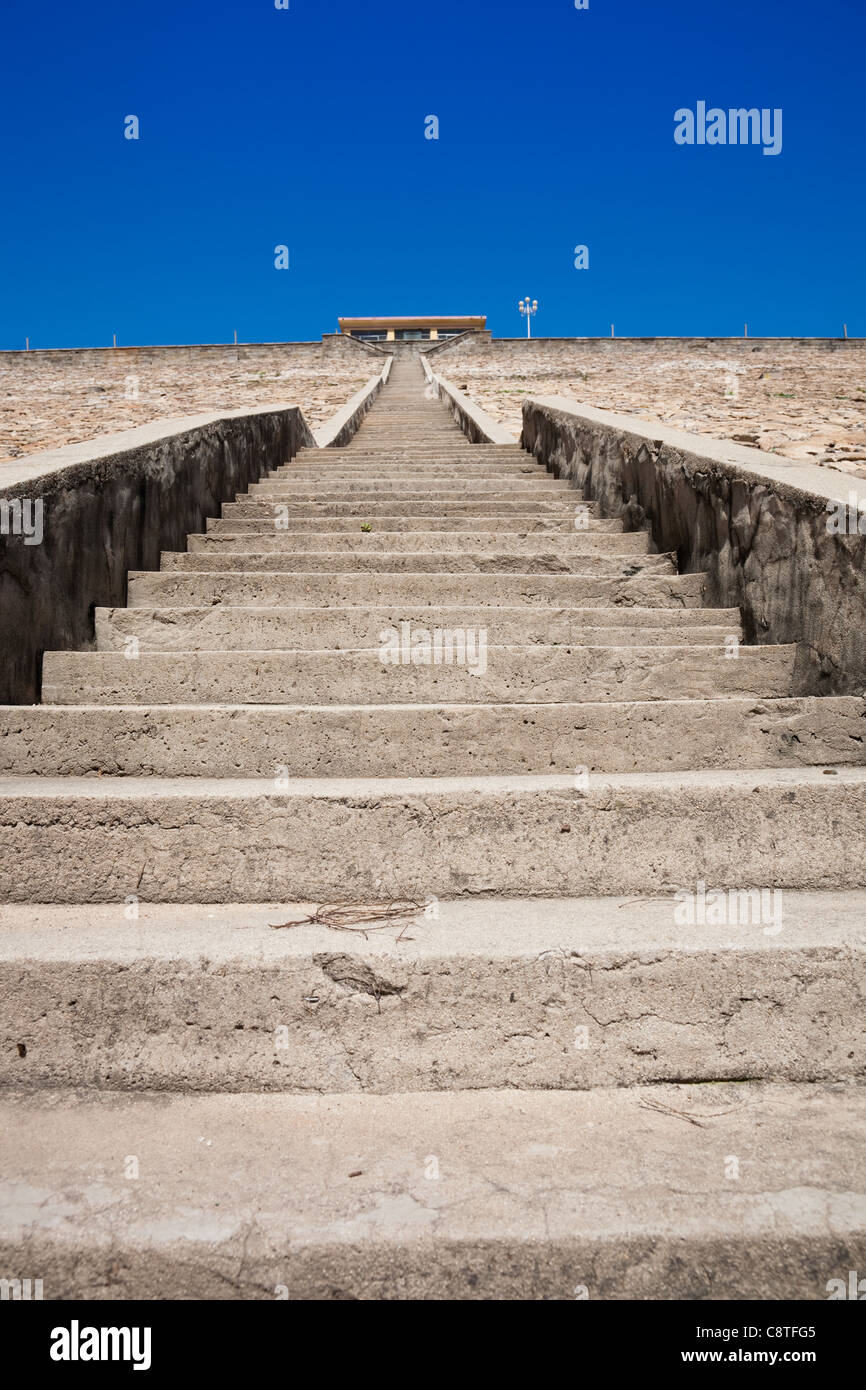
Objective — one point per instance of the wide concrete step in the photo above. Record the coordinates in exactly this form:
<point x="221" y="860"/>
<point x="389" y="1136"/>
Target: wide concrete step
<point x="360" y="475"/>
<point x="507" y="476"/>
<point x="221" y="628"/>
<point x="427" y="425"/>
<point x="415" y="434"/>
<point x="161" y="589"/>
<point x="327" y="491"/>
<point x="376" y="469"/>
<point x="404" y="501"/>
<point x="478" y="542"/>
<point x="400" y="505"/>
<point x="411" y="460"/>
<point x="566" y="994"/>
<point x="614" y="1193"/>
<point x="421" y="666"/>
<point x="417" y="740"/>
<point x="186" y="840"/>
<point x="502" y="560"/>
<point x="452" y="441"/>
<point x="451" y="447"/>
<point x="521" y="525"/>
<point x="470" y="488"/>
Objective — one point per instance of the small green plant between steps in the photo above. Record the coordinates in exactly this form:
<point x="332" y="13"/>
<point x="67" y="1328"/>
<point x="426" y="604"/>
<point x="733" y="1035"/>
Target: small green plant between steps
<point x="365" y="526"/>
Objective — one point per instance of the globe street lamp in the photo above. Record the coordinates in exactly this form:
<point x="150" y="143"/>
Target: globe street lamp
<point x="528" y="307"/>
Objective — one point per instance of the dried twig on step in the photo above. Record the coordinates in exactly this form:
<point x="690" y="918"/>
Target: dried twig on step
<point x="358" y="917"/>
<point x="683" y="1114"/>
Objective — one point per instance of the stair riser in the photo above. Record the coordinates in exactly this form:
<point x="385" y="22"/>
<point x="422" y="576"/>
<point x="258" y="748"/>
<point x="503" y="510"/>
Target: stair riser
<point x="308" y="629"/>
<point x="470" y="488"/>
<point x="453" y="741"/>
<point x="261" y="846"/>
<point x="548" y="543"/>
<point x="160" y="590"/>
<point x="683" y="1266"/>
<point x="502" y="526"/>
<point x="475" y="675"/>
<point x="446" y="1023"/>
<point x="410" y="471"/>
<point x="444" y="453"/>
<point x="503" y="561"/>
<point x="399" y="506"/>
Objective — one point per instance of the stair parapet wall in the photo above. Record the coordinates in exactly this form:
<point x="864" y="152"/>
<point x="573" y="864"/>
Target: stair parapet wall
<point x="344" y="425"/>
<point x="760" y="526"/>
<point x="112" y="505"/>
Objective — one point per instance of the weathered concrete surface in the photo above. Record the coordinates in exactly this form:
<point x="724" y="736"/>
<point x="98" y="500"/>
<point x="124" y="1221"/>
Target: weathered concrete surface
<point x="481" y="995"/>
<point x="113" y="505"/>
<point x="423" y="740"/>
<point x="53" y="397"/>
<point x="757" y="526"/>
<point x="538" y="1195"/>
<point x="479" y="427"/>
<point x="327" y="488"/>
<point x="499" y="673"/>
<point x="485" y="591"/>
<point x="219" y="627"/>
<point x="268" y="511"/>
<point x="86" y="840"/>
<point x="799" y="398"/>
<point x="503" y="800"/>
<point x="452" y="463"/>
<point x="343" y="425"/>
<point x="218" y="545"/>
<point x="514" y="523"/>
<point x="501" y="560"/>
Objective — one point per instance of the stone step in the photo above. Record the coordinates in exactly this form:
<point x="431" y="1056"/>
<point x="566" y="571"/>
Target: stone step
<point x="420" y="434"/>
<point x="446" y="489"/>
<point x="452" y="444"/>
<point x="613" y="1193"/>
<point x="521" y="525"/>
<point x="187" y="840"/>
<point x="467" y="671"/>
<point x="501" y="561"/>
<point x="564" y="994"/>
<point x="160" y="589"/>
<point x="490" y="542"/>
<point x="220" y="628"/>
<point x="404" y="475"/>
<point x="400" y="505"/>
<point x="408" y="460"/>
<point x="527" y="474"/>
<point x="420" y="740"/>
<point x="376" y="470"/>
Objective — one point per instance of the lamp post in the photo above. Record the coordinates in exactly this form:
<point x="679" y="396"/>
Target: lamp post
<point x="528" y="307"/>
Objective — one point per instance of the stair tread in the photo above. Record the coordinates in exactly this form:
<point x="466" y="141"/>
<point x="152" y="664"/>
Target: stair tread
<point x="586" y="930"/>
<point x="537" y="1192"/>
<point x="239" y="788"/>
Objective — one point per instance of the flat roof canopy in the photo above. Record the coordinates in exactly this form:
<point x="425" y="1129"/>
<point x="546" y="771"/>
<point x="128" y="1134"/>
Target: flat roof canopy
<point x="462" y="322"/>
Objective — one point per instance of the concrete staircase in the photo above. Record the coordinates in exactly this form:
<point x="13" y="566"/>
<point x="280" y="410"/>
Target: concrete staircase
<point x="555" y="1079"/>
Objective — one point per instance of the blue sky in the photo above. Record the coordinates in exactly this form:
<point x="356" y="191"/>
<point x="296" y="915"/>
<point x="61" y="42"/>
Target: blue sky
<point x="261" y="127"/>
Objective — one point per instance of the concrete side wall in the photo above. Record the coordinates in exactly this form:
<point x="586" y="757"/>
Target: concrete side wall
<point x="343" y="426"/>
<point x="758" y="528"/>
<point x="111" y="506"/>
<point x="478" y="427"/>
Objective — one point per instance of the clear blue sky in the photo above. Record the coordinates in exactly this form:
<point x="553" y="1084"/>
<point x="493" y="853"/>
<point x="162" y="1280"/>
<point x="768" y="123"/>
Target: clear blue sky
<point x="305" y="127"/>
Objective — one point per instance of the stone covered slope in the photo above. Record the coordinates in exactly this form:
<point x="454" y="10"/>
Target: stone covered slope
<point x="236" y="739"/>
